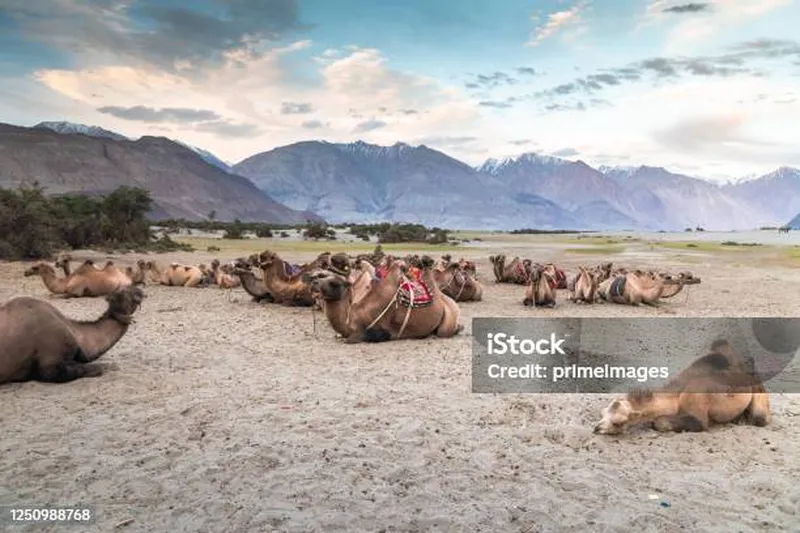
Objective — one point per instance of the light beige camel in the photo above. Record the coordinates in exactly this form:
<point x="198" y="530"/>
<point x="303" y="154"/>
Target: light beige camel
<point x="37" y="342"/>
<point x="634" y="288"/>
<point x="86" y="281"/>
<point x="223" y="279"/>
<point x="719" y="387"/>
<point x="175" y="275"/>
<point x="514" y="272"/>
<point x="540" y="290"/>
<point x="582" y="287"/>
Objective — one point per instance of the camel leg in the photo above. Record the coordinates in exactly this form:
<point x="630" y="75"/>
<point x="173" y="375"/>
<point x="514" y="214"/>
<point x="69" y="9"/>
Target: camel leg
<point x="692" y="417"/>
<point x="758" y="412"/>
<point x="63" y="372"/>
<point x="449" y="326"/>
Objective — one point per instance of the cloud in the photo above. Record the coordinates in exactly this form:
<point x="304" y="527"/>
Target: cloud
<point x="688" y="8"/>
<point x="315" y="124"/>
<point x="225" y="129"/>
<point x="495" y="104"/>
<point x="527" y="71"/>
<point x="447" y="141"/>
<point x="578" y="106"/>
<point x="292" y="108"/>
<point x="522" y="142"/>
<point x="180" y="115"/>
<point x="170" y="37"/>
<point x="566" y="152"/>
<point x="490" y="81"/>
<point x="744" y="58"/>
<point x="556" y="22"/>
<point x="369" y="125"/>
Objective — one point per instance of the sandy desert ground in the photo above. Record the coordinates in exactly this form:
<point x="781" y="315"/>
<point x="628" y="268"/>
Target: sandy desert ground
<point x="217" y="414"/>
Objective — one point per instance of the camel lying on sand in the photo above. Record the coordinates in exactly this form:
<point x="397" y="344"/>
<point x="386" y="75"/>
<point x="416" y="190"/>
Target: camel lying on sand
<point x="514" y="272"/>
<point x="540" y="291"/>
<point x="37" y="342"/>
<point x="285" y="284"/>
<point x="175" y="275"/>
<point x="223" y="277"/>
<point x="719" y="387"/>
<point x="86" y="281"/>
<point x="250" y="282"/>
<point x="457" y="282"/>
<point x="394" y="308"/>
<point x="636" y="288"/>
<point x="582" y="287"/>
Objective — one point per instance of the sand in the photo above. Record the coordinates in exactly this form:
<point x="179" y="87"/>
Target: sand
<point x="216" y="414"/>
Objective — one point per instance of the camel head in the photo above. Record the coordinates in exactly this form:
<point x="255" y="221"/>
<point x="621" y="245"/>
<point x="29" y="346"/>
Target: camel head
<point x="687" y="278"/>
<point x="141" y="264"/>
<point x="215" y="264"/>
<point x="266" y="259"/>
<point x="339" y="264"/>
<point x="123" y="304"/>
<point x="63" y="260"/>
<point x="616" y="417"/>
<point x="332" y="287"/>
<point x="38" y="269"/>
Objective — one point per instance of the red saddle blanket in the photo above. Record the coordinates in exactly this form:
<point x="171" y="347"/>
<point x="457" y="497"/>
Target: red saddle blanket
<point x="520" y="269"/>
<point x="414" y="293"/>
<point x="381" y="272"/>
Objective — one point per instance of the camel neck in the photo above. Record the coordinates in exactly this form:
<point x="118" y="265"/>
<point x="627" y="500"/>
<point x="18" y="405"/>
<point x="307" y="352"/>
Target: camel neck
<point x="97" y="337"/>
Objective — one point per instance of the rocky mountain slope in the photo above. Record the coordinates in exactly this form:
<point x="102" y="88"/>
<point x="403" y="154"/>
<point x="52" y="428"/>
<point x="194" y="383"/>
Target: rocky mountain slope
<point x="181" y="183"/>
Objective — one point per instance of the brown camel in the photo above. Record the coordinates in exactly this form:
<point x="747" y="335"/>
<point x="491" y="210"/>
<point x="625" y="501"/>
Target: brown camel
<point x="540" y="291"/>
<point x="558" y="278"/>
<point x="514" y="272"/>
<point x="175" y="275"/>
<point x="457" y="283"/>
<point x="720" y="387"/>
<point x="284" y="283"/>
<point x="86" y="281"/>
<point x="396" y="307"/>
<point x="634" y="288"/>
<point x="582" y="287"/>
<point x="37" y="342"/>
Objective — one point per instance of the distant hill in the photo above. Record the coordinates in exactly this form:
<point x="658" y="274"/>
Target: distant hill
<point x="181" y="183"/>
<point x="361" y="182"/>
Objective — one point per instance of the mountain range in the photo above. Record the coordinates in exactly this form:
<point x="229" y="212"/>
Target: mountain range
<point x="361" y="182"/>
<point x="182" y="184"/>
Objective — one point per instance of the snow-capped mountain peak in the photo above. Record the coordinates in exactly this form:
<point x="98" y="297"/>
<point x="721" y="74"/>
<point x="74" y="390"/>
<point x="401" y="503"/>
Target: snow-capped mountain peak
<point x="82" y="129"/>
<point x="495" y="165"/>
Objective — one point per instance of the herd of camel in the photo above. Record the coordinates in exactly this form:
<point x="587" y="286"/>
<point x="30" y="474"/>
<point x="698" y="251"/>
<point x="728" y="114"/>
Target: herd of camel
<point x="371" y="297"/>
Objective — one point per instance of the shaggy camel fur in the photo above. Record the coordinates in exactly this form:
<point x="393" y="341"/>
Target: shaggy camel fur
<point x="86" y="281"/>
<point x="514" y="272"/>
<point x="458" y="283"/>
<point x="175" y="275"/>
<point x="37" y="342"/>
<point x="540" y="291"/>
<point x="381" y="315"/>
<point x="720" y="387"/>
<point x="286" y="289"/>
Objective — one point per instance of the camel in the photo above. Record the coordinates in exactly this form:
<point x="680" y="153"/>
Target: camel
<point x="63" y="261"/>
<point x="389" y="311"/>
<point x="540" y="291"/>
<point x="285" y="286"/>
<point x="137" y="273"/>
<point x="175" y="275"/>
<point x="86" y="281"/>
<point x="223" y="279"/>
<point x="558" y="278"/>
<point x="253" y="285"/>
<point x="582" y="287"/>
<point x="37" y="342"/>
<point x="635" y="288"/>
<point x="457" y="283"/>
<point x="719" y="387"/>
<point x="514" y="272"/>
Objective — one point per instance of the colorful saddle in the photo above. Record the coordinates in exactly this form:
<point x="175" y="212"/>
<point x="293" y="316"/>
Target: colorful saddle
<point x="291" y="270"/>
<point x="414" y="293"/>
<point x="617" y="286"/>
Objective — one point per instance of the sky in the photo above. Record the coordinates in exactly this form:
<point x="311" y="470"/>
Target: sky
<point x="710" y="89"/>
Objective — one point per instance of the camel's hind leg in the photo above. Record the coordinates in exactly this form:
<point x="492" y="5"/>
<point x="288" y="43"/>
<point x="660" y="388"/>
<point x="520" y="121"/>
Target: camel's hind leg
<point x="692" y="416"/>
<point x="758" y="412"/>
<point x="449" y="326"/>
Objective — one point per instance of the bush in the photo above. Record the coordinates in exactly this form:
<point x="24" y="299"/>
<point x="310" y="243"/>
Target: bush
<point x="316" y="231"/>
<point x="34" y="226"/>
<point x="234" y="231"/>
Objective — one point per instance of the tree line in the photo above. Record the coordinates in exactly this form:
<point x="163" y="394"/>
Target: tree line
<point x="34" y="225"/>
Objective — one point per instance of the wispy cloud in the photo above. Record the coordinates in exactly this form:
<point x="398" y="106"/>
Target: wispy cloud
<point x="293" y="108"/>
<point x="688" y="8"/>
<point x="557" y="22"/>
<point x="370" y="125"/>
<point x="179" y="115"/>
